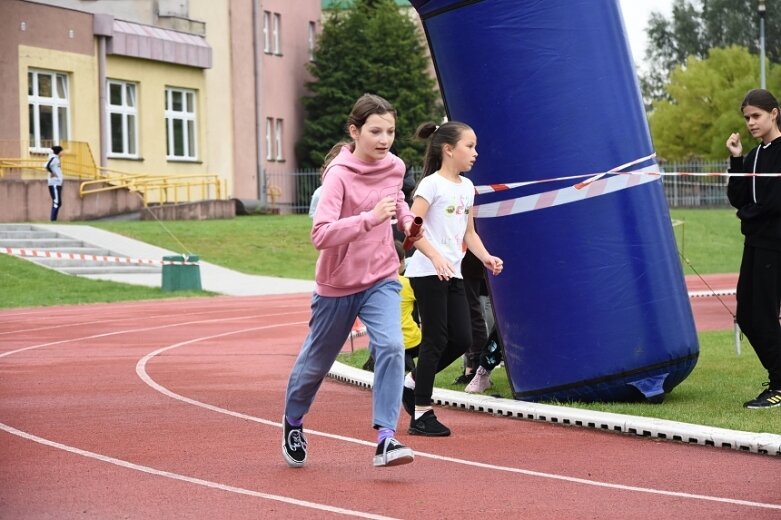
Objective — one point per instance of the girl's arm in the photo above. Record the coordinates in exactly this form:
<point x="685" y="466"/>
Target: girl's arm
<point x="444" y="268"/>
<point x="331" y="229"/>
<point x="475" y="244"/>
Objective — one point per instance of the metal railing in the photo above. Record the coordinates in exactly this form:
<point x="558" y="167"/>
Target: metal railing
<point x="78" y="161"/>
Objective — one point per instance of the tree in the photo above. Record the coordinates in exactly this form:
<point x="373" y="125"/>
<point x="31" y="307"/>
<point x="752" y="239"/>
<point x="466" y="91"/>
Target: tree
<point x="370" y="47"/>
<point x="696" y="26"/>
<point x="702" y="105"/>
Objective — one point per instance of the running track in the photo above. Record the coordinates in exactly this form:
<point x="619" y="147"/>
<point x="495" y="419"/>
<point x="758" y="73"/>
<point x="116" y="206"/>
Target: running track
<point x="171" y="409"/>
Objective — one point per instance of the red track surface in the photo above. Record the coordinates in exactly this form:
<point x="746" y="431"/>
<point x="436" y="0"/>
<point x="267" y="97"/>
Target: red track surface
<point x="172" y="409"/>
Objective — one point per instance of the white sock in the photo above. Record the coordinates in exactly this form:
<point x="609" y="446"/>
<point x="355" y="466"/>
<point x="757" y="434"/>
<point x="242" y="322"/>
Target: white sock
<point x="408" y="381"/>
<point x="420" y="410"/>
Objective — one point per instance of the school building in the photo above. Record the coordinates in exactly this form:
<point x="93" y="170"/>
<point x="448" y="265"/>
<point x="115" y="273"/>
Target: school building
<point x="178" y="87"/>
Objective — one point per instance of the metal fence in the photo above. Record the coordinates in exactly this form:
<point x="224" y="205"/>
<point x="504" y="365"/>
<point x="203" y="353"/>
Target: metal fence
<point x="291" y="192"/>
<point x="695" y="192"/>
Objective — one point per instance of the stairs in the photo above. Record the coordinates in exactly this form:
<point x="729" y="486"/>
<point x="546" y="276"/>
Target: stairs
<point x="28" y="236"/>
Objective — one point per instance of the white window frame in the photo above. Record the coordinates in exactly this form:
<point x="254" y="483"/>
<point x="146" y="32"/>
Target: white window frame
<point x="59" y="104"/>
<point x="189" y="124"/>
<point x="311" y="39"/>
<point x="269" y="142"/>
<point x="278" y="140"/>
<point x="128" y="112"/>
<point x="267" y="32"/>
<point x="277" y="30"/>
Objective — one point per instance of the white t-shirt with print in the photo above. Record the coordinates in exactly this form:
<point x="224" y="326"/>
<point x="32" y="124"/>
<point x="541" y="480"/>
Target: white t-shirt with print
<point x="445" y="222"/>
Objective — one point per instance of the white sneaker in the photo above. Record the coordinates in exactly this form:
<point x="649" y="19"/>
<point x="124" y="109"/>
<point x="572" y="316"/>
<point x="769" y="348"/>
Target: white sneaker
<point x="480" y="383"/>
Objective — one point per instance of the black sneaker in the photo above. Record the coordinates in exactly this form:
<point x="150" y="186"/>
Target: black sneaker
<point x="391" y="452"/>
<point x="293" y="445"/>
<point x="464" y="379"/>
<point x="428" y="425"/>
<point x="408" y="400"/>
<point x="767" y="399"/>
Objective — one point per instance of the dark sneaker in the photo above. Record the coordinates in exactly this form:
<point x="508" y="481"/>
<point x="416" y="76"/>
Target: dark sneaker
<point x="391" y="452"/>
<point x="408" y="400"/>
<point x="293" y="445"/>
<point x="428" y="425"/>
<point x="767" y="399"/>
<point x="464" y="379"/>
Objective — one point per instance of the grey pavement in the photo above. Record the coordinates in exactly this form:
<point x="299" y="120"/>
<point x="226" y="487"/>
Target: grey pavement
<point x="213" y="277"/>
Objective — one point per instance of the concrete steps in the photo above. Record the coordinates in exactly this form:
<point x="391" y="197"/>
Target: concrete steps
<point x="28" y="236"/>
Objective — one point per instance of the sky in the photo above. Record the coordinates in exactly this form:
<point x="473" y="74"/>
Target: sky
<point x="636" y="14"/>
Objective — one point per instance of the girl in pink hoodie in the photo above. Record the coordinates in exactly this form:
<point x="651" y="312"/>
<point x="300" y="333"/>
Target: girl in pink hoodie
<point x="356" y="276"/>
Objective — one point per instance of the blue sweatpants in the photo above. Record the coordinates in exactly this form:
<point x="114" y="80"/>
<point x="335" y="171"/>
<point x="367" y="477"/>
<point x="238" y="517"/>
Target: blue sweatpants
<point x="379" y="308"/>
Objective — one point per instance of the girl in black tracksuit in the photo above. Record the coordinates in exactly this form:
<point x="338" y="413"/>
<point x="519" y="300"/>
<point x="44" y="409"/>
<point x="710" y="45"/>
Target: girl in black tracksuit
<point x="758" y="201"/>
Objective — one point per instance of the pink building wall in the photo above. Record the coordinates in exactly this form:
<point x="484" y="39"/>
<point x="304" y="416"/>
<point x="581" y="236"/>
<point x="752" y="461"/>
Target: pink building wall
<point x="282" y="78"/>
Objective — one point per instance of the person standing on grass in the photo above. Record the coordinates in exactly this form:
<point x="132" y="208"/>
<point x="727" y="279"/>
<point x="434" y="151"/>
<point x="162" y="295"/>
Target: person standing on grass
<point x="54" y="180"/>
<point x="356" y="276"/>
<point x="758" y="201"/>
<point x="444" y="199"/>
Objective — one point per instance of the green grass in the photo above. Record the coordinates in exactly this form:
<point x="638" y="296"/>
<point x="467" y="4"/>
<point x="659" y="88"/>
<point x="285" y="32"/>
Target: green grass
<point x="268" y="245"/>
<point x="712" y="395"/>
<point x="24" y="284"/>
<point x="709" y="238"/>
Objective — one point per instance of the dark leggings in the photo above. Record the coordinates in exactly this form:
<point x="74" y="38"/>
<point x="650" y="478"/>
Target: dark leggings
<point x="444" y="318"/>
<point x="472" y="285"/>
<point x="759" y="300"/>
<point x="56" y="194"/>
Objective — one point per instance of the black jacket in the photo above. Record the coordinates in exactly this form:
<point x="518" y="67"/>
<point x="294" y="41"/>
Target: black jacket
<point x="760" y="217"/>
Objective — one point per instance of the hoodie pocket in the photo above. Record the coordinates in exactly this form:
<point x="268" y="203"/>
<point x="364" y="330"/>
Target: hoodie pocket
<point x="359" y="264"/>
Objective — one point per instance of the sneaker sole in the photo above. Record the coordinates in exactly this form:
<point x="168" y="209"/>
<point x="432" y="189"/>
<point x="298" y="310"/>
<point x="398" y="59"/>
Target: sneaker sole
<point x="761" y="407"/>
<point x="293" y="463"/>
<point x="397" y="458"/>
<point x="422" y="433"/>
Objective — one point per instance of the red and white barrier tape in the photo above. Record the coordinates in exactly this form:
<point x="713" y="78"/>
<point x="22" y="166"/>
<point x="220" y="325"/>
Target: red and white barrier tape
<point x="548" y="199"/>
<point x="92" y="258"/>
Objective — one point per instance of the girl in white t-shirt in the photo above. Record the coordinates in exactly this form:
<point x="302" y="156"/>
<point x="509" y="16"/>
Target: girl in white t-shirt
<point x="444" y="199"/>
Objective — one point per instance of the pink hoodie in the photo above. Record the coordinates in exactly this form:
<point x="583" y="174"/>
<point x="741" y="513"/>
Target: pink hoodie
<point x="356" y="249"/>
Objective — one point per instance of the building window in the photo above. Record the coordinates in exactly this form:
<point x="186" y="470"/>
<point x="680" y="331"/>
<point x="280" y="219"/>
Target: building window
<point x="269" y="141"/>
<point x="267" y="32"/>
<point x="122" y="113"/>
<point x="277" y="36"/>
<point x="180" y="124"/>
<point x="312" y="38"/>
<point x="48" y="108"/>
<point x="278" y="140"/>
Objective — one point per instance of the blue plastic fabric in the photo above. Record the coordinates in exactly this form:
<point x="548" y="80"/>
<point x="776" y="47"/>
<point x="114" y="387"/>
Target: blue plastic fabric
<point x="592" y="298"/>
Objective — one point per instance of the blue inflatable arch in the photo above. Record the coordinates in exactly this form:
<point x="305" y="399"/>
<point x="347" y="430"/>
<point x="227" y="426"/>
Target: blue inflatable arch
<point x="592" y="304"/>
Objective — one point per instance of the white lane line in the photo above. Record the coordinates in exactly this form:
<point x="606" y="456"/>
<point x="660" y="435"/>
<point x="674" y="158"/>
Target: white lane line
<point x="176" y="476"/>
<point x="144" y="329"/>
<point x="142" y="373"/>
<point x="190" y="480"/>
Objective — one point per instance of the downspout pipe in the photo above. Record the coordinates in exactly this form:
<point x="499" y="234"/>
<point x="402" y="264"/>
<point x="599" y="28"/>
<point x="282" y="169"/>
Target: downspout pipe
<point x="258" y="60"/>
<point x="103" y="29"/>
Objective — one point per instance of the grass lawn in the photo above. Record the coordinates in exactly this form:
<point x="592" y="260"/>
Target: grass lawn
<point x="712" y="395"/>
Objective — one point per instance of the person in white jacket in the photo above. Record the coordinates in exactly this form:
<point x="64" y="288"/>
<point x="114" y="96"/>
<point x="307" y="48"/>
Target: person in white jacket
<point x="54" y="170"/>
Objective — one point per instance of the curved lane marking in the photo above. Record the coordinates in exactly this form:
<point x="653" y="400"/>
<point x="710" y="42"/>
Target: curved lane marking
<point x="142" y="373"/>
<point x="184" y="478"/>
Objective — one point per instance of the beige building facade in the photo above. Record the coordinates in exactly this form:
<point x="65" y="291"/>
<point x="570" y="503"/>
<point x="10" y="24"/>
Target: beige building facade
<point x="159" y="86"/>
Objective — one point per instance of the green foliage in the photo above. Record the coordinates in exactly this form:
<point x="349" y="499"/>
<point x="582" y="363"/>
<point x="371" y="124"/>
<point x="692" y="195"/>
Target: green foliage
<point x="696" y="26"/>
<point x="371" y="47"/>
<point x="702" y="107"/>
